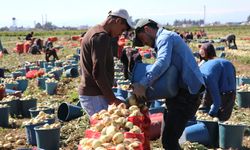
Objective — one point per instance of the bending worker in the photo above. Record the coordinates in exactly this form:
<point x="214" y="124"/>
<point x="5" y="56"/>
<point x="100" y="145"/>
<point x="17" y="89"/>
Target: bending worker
<point x="171" y="50"/>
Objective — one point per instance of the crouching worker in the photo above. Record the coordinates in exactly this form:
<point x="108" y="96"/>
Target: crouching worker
<point x="230" y="41"/>
<point x="36" y="47"/>
<point x="219" y="98"/>
<point x="50" y="51"/>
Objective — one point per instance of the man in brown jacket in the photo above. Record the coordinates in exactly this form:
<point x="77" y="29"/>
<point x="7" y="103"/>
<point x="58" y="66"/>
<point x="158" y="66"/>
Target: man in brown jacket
<point x="97" y="64"/>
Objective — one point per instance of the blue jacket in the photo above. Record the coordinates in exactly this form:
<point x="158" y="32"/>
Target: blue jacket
<point x="172" y="50"/>
<point x="219" y="76"/>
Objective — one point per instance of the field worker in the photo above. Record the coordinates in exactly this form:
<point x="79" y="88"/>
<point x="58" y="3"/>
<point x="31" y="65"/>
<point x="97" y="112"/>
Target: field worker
<point x="220" y="78"/>
<point x="230" y="41"/>
<point x="36" y="47"/>
<point x="97" y="64"/>
<point x="2" y="49"/>
<point x="206" y="52"/>
<point x="29" y="36"/>
<point x="171" y="50"/>
<point x="50" y="50"/>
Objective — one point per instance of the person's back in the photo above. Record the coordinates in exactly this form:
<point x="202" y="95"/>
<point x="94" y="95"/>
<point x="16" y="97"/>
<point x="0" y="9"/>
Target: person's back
<point x="49" y="50"/>
<point x="222" y="72"/>
<point x="230" y="41"/>
<point x="183" y="59"/>
<point x="218" y="100"/>
<point x="88" y="85"/>
<point x="230" y="37"/>
<point x="29" y="36"/>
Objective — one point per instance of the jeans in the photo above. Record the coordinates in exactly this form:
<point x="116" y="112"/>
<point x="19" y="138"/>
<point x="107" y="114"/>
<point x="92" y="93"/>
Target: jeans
<point x="180" y="109"/>
<point x="93" y="104"/>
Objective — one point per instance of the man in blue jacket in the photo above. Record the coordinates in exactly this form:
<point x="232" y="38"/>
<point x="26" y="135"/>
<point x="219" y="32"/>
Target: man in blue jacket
<point x="171" y="50"/>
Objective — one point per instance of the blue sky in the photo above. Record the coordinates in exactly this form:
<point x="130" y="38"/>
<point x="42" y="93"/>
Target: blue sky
<point x="91" y="12"/>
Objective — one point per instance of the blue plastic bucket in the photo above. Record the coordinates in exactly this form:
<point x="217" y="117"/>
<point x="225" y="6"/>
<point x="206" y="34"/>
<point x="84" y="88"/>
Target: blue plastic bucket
<point x="4" y="117"/>
<point x="76" y="57"/>
<point x="197" y="133"/>
<point x="222" y="48"/>
<point x="78" y="50"/>
<point x="12" y="86"/>
<point x="47" y="139"/>
<point x="51" y="88"/>
<point x="48" y="69"/>
<point x="30" y="133"/>
<point x="67" y="112"/>
<point x="45" y="65"/>
<point x="222" y="55"/>
<point x="213" y="130"/>
<point x="231" y="136"/>
<point x="58" y="64"/>
<point x="237" y="81"/>
<point x="52" y="63"/>
<point x="22" y="85"/>
<point x="72" y="72"/>
<point x="243" y="99"/>
<point x="244" y="81"/>
<point x="41" y="82"/>
<point x="14" y="107"/>
<point x="16" y="74"/>
<point x="75" y="66"/>
<point x="34" y="68"/>
<point x="73" y="61"/>
<point x="57" y="74"/>
<point x="26" y="105"/>
<point x="41" y="63"/>
<point x="66" y="67"/>
<point x="23" y="71"/>
<point x="165" y="87"/>
<point x="35" y="111"/>
<point x="50" y="120"/>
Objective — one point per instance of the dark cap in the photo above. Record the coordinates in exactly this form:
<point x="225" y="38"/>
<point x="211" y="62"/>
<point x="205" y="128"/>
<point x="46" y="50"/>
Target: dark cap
<point x="138" y="27"/>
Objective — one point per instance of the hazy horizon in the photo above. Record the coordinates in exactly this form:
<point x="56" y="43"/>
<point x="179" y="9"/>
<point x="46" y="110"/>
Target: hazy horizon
<point x="80" y="12"/>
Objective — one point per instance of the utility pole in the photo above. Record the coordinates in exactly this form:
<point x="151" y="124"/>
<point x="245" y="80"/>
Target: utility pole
<point x="42" y="20"/>
<point x="204" y="19"/>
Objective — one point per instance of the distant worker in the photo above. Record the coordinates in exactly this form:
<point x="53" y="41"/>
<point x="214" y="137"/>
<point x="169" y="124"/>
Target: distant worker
<point x="36" y="47"/>
<point x="29" y="36"/>
<point x="2" y="49"/>
<point x="230" y="41"/>
<point x="50" y="51"/>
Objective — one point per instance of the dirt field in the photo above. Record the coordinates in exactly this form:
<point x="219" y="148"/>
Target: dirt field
<point x="73" y="131"/>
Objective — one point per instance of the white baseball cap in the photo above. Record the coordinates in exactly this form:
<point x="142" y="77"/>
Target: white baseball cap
<point x="123" y="14"/>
